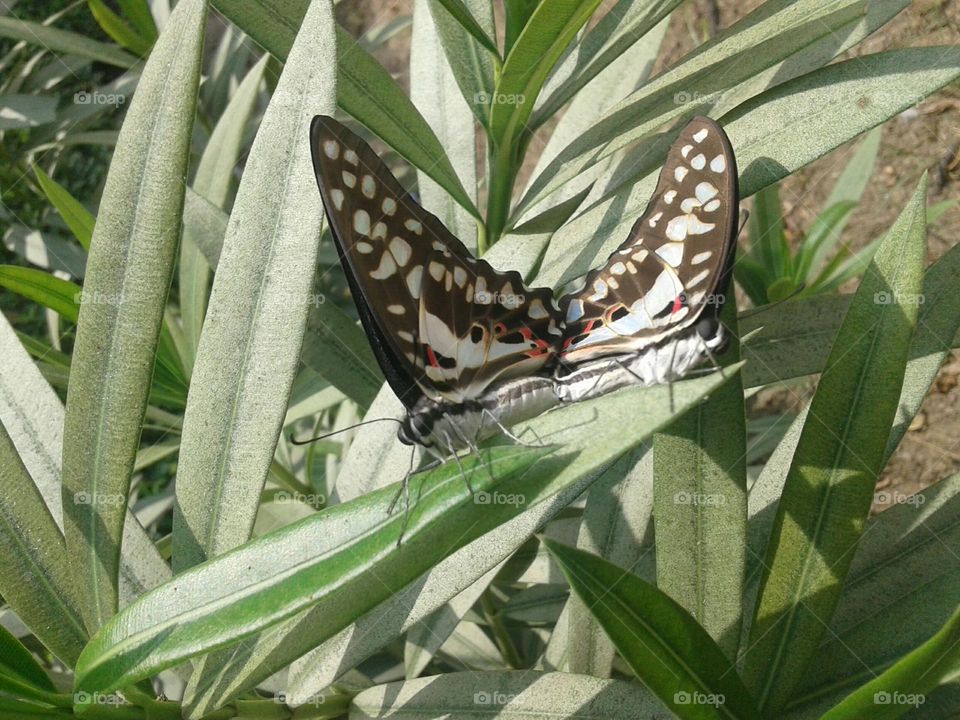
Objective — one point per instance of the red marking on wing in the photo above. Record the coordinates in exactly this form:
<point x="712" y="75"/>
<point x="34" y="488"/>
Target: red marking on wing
<point x="431" y="356"/>
<point x="677" y="304"/>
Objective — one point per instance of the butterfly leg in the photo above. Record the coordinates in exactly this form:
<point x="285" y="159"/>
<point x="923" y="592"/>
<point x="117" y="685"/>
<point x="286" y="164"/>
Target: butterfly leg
<point x="404" y="489"/>
<point x="503" y="428"/>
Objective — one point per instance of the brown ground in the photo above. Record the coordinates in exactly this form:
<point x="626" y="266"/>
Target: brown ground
<point x="924" y="138"/>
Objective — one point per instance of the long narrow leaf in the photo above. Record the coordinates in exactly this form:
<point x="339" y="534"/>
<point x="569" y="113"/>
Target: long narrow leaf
<point x="129" y="270"/>
<point x="670" y="653"/>
<point x="364" y="88"/>
<point x="774" y="134"/>
<point x="829" y="489"/>
<point x="262" y="293"/>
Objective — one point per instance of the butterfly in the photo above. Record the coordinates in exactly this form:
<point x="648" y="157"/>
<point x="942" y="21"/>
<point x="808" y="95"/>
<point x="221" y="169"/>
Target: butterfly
<point x="470" y="350"/>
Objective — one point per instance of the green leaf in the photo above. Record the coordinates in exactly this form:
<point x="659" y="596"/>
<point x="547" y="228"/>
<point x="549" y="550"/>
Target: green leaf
<point x="768" y="244"/>
<point x="900" y="590"/>
<point x="849" y="187"/>
<point x="62" y="41"/>
<point x="507" y="695"/>
<point x="778" y="41"/>
<point x="433" y="89"/>
<point x="61" y="296"/>
<point x="34" y="415"/>
<point x="80" y="220"/>
<point x="35" y="574"/>
<point x="214" y="180"/>
<point x="26" y="111"/>
<point x="545" y="36"/>
<point x="907" y="682"/>
<point x="274" y="577"/>
<point x="829" y="489"/>
<point x="139" y="15"/>
<point x="855" y="178"/>
<point x="337" y="349"/>
<point x="625" y="29"/>
<point x="618" y="526"/>
<point x="821" y="239"/>
<point x="937" y="324"/>
<point x="262" y="292"/>
<point x="636" y="412"/>
<point x="49" y="251"/>
<point x="131" y="263"/>
<point x="669" y="652"/>
<point x="208" y="225"/>
<point x="465" y="19"/>
<point x="364" y="89"/>
<point x="773" y="134"/>
<point x="115" y="26"/>
<point x="700" y="506"/>
<point x="17" y="662"/>
<point x="472" y="66"/>
<point x="519" y="14"/>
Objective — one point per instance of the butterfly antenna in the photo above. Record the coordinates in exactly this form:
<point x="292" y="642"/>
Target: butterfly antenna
<point x="295" y="441"/>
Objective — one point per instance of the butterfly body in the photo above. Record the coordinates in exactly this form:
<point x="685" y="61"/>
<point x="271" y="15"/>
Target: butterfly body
<point x="446" y="425"/>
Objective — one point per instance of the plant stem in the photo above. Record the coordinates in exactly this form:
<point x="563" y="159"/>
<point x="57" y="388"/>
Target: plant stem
<point x="503" y="172"/>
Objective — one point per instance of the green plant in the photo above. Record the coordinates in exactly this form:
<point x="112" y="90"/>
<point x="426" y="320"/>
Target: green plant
<point x="772" y="272"/>
<point x="211" y="326"/>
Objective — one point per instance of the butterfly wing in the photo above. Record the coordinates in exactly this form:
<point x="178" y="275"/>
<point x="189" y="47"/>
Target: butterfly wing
<point x="676" y="262"/>
<point x="442" y="323"/>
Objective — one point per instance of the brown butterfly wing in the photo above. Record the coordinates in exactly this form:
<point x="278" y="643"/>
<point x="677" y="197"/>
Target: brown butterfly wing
<point x="441" y="322"/>
<point x="676" y="261"/>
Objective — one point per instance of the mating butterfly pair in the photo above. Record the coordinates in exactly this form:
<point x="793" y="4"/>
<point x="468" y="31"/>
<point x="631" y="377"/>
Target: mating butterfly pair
<point x="469" y="350"/>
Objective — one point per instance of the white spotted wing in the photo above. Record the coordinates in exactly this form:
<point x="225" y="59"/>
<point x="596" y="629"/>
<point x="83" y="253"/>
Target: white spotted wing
<point x="441" y="322"/>
<point x="676" y="261"/>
